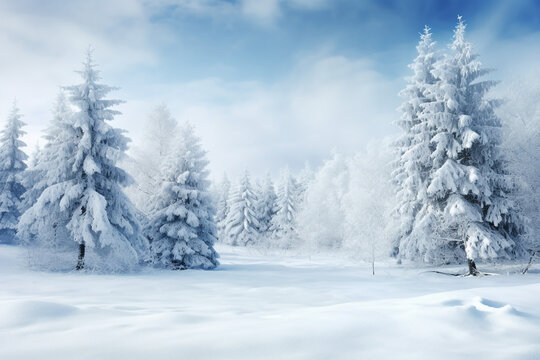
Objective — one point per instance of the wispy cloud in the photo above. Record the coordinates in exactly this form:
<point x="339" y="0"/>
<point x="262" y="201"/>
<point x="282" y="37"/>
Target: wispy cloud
<point x="326" y="103"/>
<point x="259" y="12"/>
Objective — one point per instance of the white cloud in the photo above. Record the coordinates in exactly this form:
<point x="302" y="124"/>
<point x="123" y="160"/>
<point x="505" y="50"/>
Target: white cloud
<point x="327" y="102"/>
<point x="265" y="11"/>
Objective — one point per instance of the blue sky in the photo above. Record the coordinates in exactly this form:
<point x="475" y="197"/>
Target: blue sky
<point x="268" y="83"/>
<point x="265" y="46"/>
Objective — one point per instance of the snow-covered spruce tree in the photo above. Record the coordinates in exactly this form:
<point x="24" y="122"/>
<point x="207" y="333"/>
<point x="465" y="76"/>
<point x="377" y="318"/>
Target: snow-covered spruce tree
<point x="470" y="193"/>
<point x="12" y="166"/>
<point x="305" y="179"/>
<point x="145" y="165"/>
<point x="283" y="226"/>
<point x="266" y="205"/>
<point x="241" y="224"/>
<point x="413" y="166"/>
<point x="32" y="177"/>
<point x="35" y="179"/>
<point x="46" y="233"/>
<point x="222" y="207"/>
<point x="83" y="192"/>
<point x="182" y="230"/>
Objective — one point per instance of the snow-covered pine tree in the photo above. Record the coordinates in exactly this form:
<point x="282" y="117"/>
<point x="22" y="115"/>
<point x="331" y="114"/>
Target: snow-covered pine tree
<point x="46" y="231"/>
<point x="266" y="205"/>
<point x="35" y="179"/>
<point x="413" y="166"/>
<point x="222" y="208"/>
<point x="12" y="166"/>
<point x="305" y="179"/>
<point x="34" y="156"/>
<point x="470" y="193"/>
<point x="159" y="135"/>
<point x="182" y="230"/>
<point x="241" y="224"/>
<point x="283" y="226"/>
<point x="32" y="177"/>
<point x="83" y="192"/>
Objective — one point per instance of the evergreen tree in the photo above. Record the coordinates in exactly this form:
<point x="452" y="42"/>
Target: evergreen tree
<point x="266" y="205"/>
<point x="305" y="179"/>
<point x="283" y="226"/>
<point x="241" y="224"/>
<point x="11" y="167"/>
<point x="470" y="192"/>
<point x="47" y="231"/>
<point x="222" y="205"/>
<point x="159" y="135"/>
<point x="414" y="165"/>
<point x="182" y="229"/>
<point x="35" y="179"/>
<point x="82" y="197"/>
<point x="30" y="181"/>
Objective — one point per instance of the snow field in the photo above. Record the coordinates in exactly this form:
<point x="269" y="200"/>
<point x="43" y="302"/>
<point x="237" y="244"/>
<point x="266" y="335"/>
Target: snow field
<point x="266" y="307"/>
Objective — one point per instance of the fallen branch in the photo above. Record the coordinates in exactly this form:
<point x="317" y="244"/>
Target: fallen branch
<point x="478" y="274"/>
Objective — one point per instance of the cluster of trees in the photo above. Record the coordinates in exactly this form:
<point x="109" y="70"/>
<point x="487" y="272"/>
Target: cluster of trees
<point x="258" y="214"/>
<point x="459" y="185"/>
<point x="457" y="199"/>
<point x="348" y="205"/>
<point x="69" y="207"/>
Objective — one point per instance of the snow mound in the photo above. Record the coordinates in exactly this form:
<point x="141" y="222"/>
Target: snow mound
<point x="479" y="307"/>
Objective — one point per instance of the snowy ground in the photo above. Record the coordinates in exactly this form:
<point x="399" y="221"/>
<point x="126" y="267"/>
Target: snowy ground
<point x="266" y="307"/>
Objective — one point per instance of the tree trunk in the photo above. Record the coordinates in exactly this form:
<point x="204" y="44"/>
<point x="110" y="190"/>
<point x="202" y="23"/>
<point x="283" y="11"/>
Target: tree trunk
<point x="82" y="246"/>
<point x="80" y="262"/>
<point x="473" y="271"/>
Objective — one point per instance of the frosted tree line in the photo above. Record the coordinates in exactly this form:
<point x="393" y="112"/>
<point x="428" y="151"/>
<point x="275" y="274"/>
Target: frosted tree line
<point x="461" y="193"/>
<point x="460" y="185"/>
<point x="259" y="213"/>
